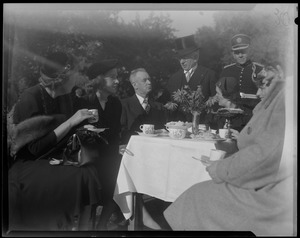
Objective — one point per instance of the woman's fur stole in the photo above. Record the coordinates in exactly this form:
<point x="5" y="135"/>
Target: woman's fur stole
<point x="30" y="129"/>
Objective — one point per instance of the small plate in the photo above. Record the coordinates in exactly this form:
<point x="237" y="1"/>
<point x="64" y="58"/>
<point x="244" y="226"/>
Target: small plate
<point x="161" y="132"/>
<point x="202" y="139"/>
<point x="98" y="130"/>
<point x="95" y="129"/>
<point x="230" y="111"/>
<point x="148" y="135"/>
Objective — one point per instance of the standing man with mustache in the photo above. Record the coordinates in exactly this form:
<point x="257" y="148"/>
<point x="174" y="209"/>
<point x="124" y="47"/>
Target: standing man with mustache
<point x="244" y="70"/>
<point x="191" y="74"/>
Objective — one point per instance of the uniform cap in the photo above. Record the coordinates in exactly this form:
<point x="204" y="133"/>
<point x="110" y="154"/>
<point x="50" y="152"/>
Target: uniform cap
<point x="240" y="41"/>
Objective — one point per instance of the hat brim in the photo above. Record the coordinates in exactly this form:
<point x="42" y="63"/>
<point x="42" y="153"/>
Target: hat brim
<point x="185" y="52"/>
<point x="242" y="47"/>
<point x="101" y="68"/>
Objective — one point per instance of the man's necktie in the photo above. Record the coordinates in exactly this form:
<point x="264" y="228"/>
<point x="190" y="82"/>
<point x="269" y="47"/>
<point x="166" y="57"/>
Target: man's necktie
<point x="188" y="75"/>
<point x="146" y="105"/>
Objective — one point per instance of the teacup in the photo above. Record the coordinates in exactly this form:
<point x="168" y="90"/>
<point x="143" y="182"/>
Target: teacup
<point x="223" y="133"/>
<point x="217" y="154"/>
<point x="95" y="117"/>
<point x="147" y="128"/>
<point x="202" y="127"/>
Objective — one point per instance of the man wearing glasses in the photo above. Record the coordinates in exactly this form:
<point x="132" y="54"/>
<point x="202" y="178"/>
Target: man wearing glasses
<point x="244" y="70"/>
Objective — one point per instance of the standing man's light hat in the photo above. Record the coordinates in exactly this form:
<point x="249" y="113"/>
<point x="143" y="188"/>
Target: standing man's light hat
<point x="240" y="41"/>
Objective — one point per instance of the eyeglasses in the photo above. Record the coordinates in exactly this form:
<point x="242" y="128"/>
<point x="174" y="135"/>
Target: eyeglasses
<point x="237" y="52"/>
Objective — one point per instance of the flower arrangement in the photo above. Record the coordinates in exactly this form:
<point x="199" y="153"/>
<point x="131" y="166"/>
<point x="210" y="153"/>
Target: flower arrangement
<point x="187" y="100"/>
<point x="191" y="102"/>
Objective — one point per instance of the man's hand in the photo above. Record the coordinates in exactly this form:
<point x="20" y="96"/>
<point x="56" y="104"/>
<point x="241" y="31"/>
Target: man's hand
<point x="211" y="100"/>
<point x="206" y="161"/>
<point x="122" y="149"/>
<point x="171" y="106"/>
<point x="234" y="134"/>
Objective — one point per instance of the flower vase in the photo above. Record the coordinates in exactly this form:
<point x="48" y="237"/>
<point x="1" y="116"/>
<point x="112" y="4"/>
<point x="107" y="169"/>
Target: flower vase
<point x="195" y="122"/>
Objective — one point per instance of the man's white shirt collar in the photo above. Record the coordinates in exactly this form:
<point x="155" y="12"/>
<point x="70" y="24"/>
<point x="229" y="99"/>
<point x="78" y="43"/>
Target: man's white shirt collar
<point x="140" y="98"/>
<point x="191" y="71"/>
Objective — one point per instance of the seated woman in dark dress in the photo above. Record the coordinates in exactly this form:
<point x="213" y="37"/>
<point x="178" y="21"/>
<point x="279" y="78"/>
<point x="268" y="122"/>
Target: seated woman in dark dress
<point x="103" y="83"/>
<point x="43" y="197"/>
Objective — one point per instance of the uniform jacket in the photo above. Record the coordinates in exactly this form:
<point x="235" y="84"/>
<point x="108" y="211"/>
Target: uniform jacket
<point x="244" y="74"/>
<point x="134" y="115"/>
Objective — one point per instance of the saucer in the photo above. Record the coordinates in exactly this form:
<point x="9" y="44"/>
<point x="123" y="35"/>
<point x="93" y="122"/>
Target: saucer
<point x="148" y="135"/>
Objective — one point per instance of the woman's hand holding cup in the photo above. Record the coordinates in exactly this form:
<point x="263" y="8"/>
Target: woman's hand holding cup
<point x="80" y="116"/>
<point x="95" y="116"/>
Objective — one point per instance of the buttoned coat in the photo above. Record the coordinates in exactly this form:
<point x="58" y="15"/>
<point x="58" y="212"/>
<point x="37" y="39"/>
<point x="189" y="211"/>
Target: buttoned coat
<point x="243" y="73"/>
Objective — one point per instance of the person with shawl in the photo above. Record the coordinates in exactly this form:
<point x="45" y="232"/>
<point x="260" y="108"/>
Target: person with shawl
<point x="248" y="190"/>
<point x="43" y="196"/>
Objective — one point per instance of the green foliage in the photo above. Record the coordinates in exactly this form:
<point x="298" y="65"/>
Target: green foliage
<point x="141" y="43"/>
<point x="269" y="40"/>
<point x="210" y="50"/>
<point x="189" y="101"/>
<point x="90" y="38"/>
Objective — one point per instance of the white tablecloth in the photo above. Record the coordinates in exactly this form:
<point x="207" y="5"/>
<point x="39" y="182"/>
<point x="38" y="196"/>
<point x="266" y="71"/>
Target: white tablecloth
<point x="160" y="167"/>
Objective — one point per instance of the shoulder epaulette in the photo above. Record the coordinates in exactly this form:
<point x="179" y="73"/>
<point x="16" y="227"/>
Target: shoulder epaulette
<point x="226" y="66"/>
<point x="261" y="65"/>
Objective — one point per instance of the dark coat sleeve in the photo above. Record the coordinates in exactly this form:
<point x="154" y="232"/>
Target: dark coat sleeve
<point x="113" y="120"/>
<point x="209" y="84"/>
<point x="174" y="83"/>
<point x="28" y="107"/>
<point x="125" y="134"/>
<point x="132" y="117"/>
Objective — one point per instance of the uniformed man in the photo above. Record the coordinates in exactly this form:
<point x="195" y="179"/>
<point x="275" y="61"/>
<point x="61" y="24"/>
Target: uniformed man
<point x="244" y="70"/>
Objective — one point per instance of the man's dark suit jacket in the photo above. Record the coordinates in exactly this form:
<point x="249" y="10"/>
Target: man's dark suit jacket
<point x="202" y="76"/>
<point x="134" y="115"/>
